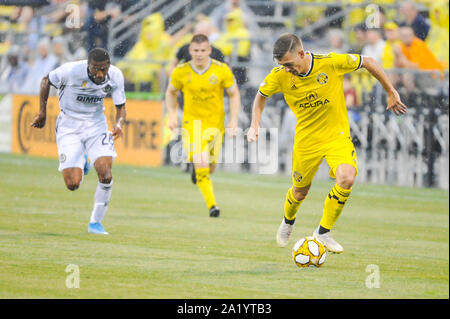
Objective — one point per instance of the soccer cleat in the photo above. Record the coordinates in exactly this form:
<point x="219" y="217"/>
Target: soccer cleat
<point x="214" y="211"/>
<point x="193" y="176"/>
<point x="86" y="166"/>
<point x="328" y="241"/>
<point x="97" y="228"/>
<point x="284" y="233"/>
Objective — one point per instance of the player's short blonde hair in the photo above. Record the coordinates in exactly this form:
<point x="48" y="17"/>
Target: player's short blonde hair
<point x="199" y="38"/>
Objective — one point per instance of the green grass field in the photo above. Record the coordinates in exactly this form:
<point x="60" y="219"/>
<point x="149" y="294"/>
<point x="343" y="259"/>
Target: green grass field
<point x="163" y="244"/>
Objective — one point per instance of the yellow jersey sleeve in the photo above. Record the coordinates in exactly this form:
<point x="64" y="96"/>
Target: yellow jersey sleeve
<point x="175" y="78"/>
<point x="346" y="63"/>
<point x="270" y="85"/>
<point x="228" y="77"/>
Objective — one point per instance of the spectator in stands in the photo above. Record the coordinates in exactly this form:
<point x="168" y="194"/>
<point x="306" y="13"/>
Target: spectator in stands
<point x="388" y="9"/>
<point x="336" y="38"/>
<point x="371" y="16"/>
<point x="360" y="38"/>
<point x="416" y="55"/>
<point x="144" y="63"/>
<point x="392" y="47"/>
<point x="438" y="40"/>
<point x="76" y="45"/>
<point x="126" y="43"/>
<point x="60" y="11"/>
<point x="380" y="16"/>
<point x="375" y="44"/>
<point x="219" y="14"/>
<point x="414" y="19"/>
<point x="59" y="14"/>
<point x="374" y="48"/>
<point x="13" y="76"/>
<point x="23" y="20"/>
<point x="22" y="16"/>
<point x="235" y="42"/>
<point x="96" y="25"/>
<point x="392" y="51"/>
<point x="331" y="10"/>
<point x="308" y="14"/>
<point x="62" y="17"/>
<point x="357" y="15"/>
<point x="41" y="66"/>
<point x="60" y="50"/>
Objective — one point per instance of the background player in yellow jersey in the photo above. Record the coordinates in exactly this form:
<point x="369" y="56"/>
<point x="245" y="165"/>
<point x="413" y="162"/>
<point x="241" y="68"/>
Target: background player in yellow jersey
<point x="202" y="81"/>
<point x="312" y="87"/>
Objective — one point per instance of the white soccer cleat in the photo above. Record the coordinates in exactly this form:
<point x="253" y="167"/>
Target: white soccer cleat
<point x="284" y="233"/>
<point x="328" y="241"/>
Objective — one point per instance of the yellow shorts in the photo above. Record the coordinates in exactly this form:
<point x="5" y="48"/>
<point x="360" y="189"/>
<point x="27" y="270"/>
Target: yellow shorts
<point x="198" y="139"/>
<point x="306" y="163"/>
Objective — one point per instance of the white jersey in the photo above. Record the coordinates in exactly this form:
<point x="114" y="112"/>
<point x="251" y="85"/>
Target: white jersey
<point x="79" y="96"/>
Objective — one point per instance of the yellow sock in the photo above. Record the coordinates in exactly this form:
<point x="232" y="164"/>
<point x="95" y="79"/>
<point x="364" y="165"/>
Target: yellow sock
<point x="334" y="203"/>
<point x="205" y="185"/>
<point x="291" y="206"/>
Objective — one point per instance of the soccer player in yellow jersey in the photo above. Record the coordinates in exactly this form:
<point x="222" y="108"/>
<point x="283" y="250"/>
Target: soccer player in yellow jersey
<point x="203" y="81"/>
<point x="312" y="87"/>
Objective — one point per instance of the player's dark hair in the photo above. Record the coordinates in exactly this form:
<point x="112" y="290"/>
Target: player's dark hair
<point x="98" y="55"/>
<point x="287" y="42"/>
<point x="199" y="38"/>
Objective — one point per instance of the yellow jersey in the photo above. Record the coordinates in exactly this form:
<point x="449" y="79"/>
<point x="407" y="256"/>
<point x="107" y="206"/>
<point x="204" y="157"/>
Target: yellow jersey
<point x="388" y="56"/>
<point x="203" y="92"/>
<point x="316" y="97"/>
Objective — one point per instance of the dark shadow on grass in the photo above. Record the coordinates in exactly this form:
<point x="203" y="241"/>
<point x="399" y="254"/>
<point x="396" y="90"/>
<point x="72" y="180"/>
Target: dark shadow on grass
<point x="53" y="234"/>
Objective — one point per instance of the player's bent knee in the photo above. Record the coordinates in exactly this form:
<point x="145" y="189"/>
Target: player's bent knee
<point x="105" y="178"/>
<point x="300" y="193"/>
<point x="72" y="182"/>
<point x="72" y="186"/>
<point x="345" y="176"/>
<point x="346" y="181"/>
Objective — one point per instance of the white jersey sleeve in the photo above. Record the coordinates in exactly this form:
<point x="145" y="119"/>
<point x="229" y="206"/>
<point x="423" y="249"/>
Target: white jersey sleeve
<point x="118" y="92"/>
<point x="58" y="77"/>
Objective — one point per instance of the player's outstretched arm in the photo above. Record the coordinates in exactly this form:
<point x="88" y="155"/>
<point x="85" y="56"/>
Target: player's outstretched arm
<point x="235" y="105"/>
<point x="172" y="106"/>
<point x="39" y="120"/>
<point x="394" y="102"/>
<point x="258" y="106"/>
<point x="121" y="114"/>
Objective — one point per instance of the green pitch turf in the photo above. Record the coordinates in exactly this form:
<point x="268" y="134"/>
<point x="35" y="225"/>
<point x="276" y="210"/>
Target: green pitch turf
<point x="163" y="244"/>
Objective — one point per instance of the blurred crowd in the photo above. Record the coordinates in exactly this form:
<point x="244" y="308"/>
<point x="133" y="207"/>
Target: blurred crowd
<point x="413" y="49"/>
<point x="400" y="35"/>
<point x="35" y="40"/>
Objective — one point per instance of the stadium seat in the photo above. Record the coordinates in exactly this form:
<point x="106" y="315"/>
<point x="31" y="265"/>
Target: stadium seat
<point x="6" y="11"/>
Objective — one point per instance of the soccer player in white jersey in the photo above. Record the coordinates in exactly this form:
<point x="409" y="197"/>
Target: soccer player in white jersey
<point x="81" y="127"/>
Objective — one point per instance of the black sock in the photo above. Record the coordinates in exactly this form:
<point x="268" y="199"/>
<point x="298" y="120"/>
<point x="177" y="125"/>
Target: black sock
<point x="323" y="230"/>
<point x="290" y="222"/>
